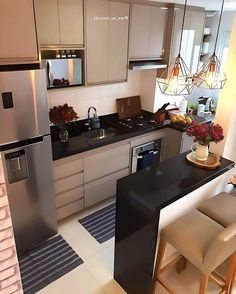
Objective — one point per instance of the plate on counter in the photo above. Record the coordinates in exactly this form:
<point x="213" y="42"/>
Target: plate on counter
<point x="212" y="162"/>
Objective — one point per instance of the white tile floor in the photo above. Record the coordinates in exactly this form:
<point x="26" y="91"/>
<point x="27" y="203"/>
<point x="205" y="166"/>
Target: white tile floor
<point x="95" y="275"/>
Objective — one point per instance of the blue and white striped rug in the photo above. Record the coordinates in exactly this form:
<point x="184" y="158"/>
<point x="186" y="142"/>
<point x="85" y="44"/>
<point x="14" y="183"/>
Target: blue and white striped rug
<point x="101" y="224"/>
<point x="48" y="262"/>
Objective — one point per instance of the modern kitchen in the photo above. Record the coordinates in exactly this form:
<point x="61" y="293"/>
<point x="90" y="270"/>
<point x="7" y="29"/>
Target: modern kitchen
<point x="117" y="146"/>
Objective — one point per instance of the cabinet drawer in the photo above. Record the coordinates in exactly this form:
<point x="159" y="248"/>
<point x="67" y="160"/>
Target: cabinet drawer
<point x="147" y="138"/>
<point x="102" y="188"/>
<point x="105" y="163"/>
<point x="68" y="183"/>
<point x="70" y="196"/>
<point x="62" y="170"/>
<point x="70" y="209"/>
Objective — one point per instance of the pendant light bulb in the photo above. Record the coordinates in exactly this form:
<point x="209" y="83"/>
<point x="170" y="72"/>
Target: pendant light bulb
<point x="211" y="75"/>
<point x="177" y="79"/>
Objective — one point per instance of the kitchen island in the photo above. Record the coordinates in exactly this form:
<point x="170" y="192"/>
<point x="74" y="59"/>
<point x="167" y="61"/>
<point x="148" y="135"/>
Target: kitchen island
<point x="140" y="198"/>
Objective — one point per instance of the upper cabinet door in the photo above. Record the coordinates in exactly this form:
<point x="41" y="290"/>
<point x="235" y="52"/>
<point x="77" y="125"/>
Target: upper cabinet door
<point x="47" y="19"/>
<point x="71" y="22"/>
<point x="97" y="41"/>
<point x="18" y="42"/>
<point x="139" y="31"/>
<point x="147" y="31"/>
<point x="60" y="22"/>
<point x="118" y="41"/>
<point x="157" y="28"/>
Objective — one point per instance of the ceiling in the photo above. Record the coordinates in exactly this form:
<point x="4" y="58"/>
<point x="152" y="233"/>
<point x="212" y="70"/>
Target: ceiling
<point x="230" y="5"/>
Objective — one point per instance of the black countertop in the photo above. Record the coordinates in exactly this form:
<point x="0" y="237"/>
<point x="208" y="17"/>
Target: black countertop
<point x="78" y="143"/>
<point x="139" y="200"/>
<point x="170" y="180"/>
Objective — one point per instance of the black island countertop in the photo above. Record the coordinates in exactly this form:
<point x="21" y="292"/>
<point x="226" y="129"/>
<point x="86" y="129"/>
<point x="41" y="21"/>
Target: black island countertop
<point x="78" y="143"/>
<point x="139" y="199"/>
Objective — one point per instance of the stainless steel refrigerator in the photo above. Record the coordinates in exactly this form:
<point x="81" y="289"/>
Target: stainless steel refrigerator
<point x="25" y="147"/>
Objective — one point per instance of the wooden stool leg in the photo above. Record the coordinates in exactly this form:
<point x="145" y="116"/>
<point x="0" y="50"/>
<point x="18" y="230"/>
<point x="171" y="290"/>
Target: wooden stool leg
<point x="203" y="284"/>
<point x="230" y="274"/>
<point x="160" y="255"/>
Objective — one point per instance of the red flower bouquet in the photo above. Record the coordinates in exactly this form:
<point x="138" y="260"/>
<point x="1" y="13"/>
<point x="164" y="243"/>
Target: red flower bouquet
<point x="62" y="114"/>
<point x="206" y="133"/>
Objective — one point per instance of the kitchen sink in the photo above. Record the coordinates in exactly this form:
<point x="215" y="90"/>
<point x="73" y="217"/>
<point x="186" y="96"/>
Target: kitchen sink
<point x="98" y="134"/>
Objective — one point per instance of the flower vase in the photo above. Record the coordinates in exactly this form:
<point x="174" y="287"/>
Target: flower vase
<point x="63" y="134"/>
<point x="201" y="152"/>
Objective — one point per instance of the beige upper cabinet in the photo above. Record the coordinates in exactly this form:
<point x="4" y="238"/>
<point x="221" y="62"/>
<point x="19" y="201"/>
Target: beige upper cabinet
<point x="192" y="35"/>
<point x="47" y="19"/>
<point x="107" y="25"/>
<point x="60" y="22"/>
<point x="147" y="31"/>
<point x="18" y="42"/>
<point x="118" y="41"/>
<point x="97" y="40"/>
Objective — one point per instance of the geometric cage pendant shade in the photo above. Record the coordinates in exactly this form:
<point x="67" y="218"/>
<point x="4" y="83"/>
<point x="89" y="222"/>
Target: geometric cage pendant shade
<point x="210" y="75"/>
<point x="176" y="79"/>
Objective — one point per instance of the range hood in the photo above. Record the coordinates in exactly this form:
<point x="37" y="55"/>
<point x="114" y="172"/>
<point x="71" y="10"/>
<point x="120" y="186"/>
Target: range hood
<point x="146" y="64"/>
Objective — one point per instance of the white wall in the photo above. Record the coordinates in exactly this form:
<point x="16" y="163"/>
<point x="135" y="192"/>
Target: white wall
<point x="226" y="110"/>
<point x="103" y="97"/>
<point x="226" y="26"/>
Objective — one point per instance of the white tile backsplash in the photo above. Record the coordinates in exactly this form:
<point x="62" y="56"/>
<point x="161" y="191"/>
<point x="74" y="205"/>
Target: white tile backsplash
<point x="103" y="97"/>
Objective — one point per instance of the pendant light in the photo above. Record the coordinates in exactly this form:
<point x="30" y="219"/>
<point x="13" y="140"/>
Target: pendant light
<point x="211" y="75"/>
<point x="177" y="79"/>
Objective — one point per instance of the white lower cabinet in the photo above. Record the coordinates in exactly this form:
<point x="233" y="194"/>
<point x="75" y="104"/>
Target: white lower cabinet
<point x="69" y="183"/>
<point x="106" y="162"/>
<point x="102" y="188"/>
<point x="69" y="188"/>
<point x="87" y="178"/>
<point x="102" y="170"/>
<point x="70" y="209"/>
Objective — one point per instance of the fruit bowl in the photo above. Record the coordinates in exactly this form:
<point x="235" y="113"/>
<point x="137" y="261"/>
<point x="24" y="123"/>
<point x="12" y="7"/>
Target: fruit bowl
<point x="181" y="119"/>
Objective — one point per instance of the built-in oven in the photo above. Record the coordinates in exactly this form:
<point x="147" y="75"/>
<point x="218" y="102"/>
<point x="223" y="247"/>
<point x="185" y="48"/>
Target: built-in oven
<point x="146" y="155"/>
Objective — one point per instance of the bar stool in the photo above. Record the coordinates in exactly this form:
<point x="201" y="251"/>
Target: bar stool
<point x="221" y="208"/>
<point x="203" y="242"/>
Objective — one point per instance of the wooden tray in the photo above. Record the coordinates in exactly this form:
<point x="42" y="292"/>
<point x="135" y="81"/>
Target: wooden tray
<point x="212" y="162"/>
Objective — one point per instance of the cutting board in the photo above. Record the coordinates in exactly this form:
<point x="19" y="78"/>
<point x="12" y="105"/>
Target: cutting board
<point x="128" y="107"/>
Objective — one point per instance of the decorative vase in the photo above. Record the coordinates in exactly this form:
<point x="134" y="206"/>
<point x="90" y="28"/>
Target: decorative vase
<point x="201" y="152"/>
<point x="63" y="134"/>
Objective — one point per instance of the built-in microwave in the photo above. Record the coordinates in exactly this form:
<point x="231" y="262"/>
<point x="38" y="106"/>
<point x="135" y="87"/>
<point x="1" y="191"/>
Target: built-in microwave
<point x="63" y="67"/>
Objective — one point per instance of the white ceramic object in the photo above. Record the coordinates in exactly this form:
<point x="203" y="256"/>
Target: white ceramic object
<point x="201" y="152"/>
<point x="183" y="105"/>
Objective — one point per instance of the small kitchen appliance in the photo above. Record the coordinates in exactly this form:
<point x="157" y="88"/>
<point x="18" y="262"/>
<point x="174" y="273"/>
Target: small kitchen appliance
<point x="208" y="102"/>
